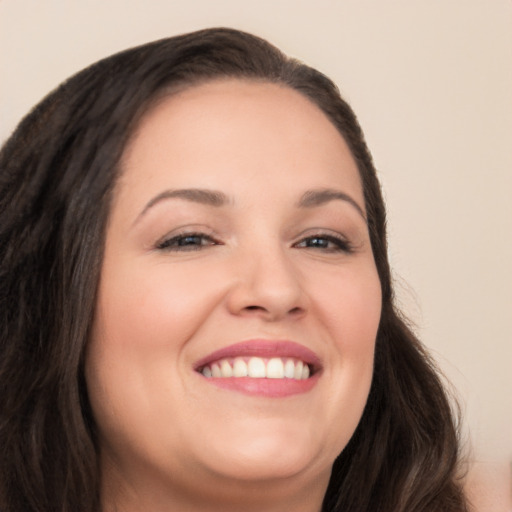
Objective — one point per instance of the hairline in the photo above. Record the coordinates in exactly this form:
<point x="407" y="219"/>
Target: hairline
<point x="175" y="90"/>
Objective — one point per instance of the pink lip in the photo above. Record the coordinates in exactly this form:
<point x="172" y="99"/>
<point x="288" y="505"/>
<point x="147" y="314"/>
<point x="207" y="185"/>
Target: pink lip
<point x="265" y="349"/>
<point x="262" y="348"/>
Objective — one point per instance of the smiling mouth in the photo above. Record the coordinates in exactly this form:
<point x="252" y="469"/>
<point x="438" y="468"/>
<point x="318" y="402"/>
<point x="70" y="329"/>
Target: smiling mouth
<point x="258" y="368"/>
<point x="262" y="367"/>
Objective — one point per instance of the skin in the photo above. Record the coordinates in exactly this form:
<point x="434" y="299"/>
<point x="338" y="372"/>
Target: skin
<point x="258" y="267"/>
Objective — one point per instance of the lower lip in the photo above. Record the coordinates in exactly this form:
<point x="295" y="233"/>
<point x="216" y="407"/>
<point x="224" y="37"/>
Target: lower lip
<point x="272" y="388"/>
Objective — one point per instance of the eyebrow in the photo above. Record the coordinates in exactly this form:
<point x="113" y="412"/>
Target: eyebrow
<point x="319" y="197"/>
<point x="195" y="195"/>
<point x="310" y="199"/>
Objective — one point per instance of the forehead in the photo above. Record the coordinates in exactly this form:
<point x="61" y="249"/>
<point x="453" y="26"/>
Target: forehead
<point x="254" y="127"/>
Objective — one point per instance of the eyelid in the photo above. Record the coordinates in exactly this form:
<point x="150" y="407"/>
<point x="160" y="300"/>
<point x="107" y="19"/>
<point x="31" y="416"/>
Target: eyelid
<point x="163" y="243"/>
<point x="343" y="243"/>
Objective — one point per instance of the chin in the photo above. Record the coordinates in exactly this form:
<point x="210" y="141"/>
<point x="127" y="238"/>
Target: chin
<point x="259" y="467"/>
<point x="271" y="452"/>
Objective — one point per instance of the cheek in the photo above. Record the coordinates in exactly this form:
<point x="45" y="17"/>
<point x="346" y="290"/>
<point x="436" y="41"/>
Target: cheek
<point x="142" y="325"/>
<point x="359" y="319"/>
<point x="157" y="307"/>
<point x="349" y="316"/>
<point x="350" y="309"/>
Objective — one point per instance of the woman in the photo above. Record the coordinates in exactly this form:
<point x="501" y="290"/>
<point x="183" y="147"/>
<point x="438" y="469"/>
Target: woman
<point x="197" y="305"/>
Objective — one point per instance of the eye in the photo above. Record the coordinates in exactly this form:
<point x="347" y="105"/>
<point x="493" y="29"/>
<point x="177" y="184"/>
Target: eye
<point x="186" y="242"/>
<point x="325" y="243"/>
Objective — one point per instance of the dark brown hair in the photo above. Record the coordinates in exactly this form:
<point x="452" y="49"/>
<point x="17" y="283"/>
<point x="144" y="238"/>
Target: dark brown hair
<point x="57" y="174"/>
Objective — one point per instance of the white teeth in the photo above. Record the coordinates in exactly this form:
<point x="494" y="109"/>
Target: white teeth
<point x="216" y="371"/>
<point x="275" y="369"/>
<point x="258" y="368"/>
<point x="297" y="374"/>
<point x="289" y="369"/>
<point x="239" y="368"/>
<point x="225" y="369"/>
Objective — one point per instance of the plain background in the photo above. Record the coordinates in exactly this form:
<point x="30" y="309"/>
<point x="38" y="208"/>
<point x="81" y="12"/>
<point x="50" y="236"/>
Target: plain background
<point x="431" y="82"/>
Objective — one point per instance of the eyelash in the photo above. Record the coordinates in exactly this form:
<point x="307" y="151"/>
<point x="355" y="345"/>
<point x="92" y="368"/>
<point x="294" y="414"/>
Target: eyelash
<point x="173" y="243"/>
<point x="340" y="244"/>
<point x="178" y="243"/>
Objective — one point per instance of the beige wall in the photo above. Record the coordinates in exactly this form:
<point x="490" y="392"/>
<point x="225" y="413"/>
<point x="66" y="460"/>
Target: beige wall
<point x="432" y="84"/>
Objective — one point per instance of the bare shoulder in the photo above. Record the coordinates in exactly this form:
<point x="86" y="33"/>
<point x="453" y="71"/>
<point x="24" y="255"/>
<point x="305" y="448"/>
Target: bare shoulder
<point x="488" y="487"/>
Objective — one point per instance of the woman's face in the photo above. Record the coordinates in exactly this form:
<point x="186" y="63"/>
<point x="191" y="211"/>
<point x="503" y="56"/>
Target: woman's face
<point x="237" y="244"/>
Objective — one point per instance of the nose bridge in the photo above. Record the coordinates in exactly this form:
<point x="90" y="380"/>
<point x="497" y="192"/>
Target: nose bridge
<point x="267" y="281"/>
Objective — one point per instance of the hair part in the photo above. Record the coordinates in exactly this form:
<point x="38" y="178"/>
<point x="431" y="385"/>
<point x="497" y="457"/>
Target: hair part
<point x="58" y="172"/>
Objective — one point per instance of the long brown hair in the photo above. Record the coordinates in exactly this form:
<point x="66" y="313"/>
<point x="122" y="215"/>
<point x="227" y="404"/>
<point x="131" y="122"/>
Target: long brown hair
<point x="57" y="174"/>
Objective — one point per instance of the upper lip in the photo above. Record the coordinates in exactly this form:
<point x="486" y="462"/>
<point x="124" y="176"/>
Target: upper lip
<point x="265" y="349"/>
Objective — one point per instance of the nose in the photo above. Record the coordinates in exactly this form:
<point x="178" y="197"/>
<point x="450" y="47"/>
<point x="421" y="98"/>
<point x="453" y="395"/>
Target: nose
<point x="266" y="285"/>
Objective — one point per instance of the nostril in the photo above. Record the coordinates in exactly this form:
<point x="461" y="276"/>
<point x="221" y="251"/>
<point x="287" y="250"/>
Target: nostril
<point x="294" y="311"/>
<point x="254" y="308"/>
